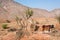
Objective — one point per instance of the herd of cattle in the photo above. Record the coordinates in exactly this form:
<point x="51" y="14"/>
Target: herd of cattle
<point x="44" y="27"/>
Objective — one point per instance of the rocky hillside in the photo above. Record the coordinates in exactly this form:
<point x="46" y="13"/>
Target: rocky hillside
<point x="9" y="9"/>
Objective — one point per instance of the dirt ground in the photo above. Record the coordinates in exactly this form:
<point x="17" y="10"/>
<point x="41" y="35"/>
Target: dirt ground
<point x="39" y="35"/>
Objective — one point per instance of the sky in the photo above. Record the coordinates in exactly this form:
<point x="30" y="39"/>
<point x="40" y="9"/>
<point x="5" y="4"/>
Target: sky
<point x="41" y="4"/>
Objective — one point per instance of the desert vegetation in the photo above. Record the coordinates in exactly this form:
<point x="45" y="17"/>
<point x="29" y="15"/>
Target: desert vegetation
<point x="23" y="25"/>
<point x="58" y="18"/>
<point x="4" y="26"/>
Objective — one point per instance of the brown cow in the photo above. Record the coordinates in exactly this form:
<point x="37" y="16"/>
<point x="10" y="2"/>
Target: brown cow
<point x="47" y="27"/>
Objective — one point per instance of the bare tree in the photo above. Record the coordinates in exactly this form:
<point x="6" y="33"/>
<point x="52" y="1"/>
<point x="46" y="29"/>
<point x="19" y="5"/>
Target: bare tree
<point x="23" y="25"/>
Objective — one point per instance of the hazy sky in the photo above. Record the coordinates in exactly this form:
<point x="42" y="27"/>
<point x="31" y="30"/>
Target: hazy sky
<point x="43" y="4"/>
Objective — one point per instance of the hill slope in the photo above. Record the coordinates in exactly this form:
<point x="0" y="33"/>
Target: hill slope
<point x="9" y="9"/>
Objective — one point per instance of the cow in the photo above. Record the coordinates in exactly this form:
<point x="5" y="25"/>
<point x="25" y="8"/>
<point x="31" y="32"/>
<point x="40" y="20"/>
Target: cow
<point x="36" y="28"/>
<point x="48" y="27"/>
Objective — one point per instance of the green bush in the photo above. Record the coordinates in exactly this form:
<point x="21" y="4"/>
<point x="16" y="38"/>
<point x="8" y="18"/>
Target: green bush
<point x="29" y="13"/>
<point x="4" y="26"/>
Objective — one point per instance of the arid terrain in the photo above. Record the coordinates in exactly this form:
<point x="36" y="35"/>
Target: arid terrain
<point x="9" y="9"/>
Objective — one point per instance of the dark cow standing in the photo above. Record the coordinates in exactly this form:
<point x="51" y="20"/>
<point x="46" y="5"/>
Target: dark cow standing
<point x="49" y="27"/>
<point x="36" y="28"/>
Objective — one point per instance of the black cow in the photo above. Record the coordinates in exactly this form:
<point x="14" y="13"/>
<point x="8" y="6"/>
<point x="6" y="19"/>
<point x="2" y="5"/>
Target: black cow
<point x="36" y="28"/>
